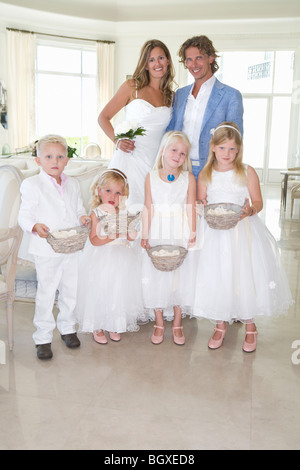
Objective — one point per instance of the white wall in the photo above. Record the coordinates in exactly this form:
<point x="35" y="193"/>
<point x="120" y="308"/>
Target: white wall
<point x="273" y="34"/>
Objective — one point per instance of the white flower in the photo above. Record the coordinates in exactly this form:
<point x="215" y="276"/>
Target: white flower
<point x="125" y="127"/>
<point x="272" y="284"/>
<point x="128" y="130"/>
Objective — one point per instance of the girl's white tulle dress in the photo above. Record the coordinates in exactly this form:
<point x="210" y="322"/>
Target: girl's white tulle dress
<point x="109" y="287"/>
<point x="169" y="225"/>
<point x="240" y="275"/>
<point x="138" y="164"/>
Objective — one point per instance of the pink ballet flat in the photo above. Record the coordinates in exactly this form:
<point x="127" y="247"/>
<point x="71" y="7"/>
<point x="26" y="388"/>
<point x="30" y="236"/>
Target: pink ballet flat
<point x="250" y="347"/>
<point x="100" y="337"/>
<point x="180" y="340"/>
<point x="158" y="339"/>
<point x="217" y="343"/>
<point x="115" y="336"/>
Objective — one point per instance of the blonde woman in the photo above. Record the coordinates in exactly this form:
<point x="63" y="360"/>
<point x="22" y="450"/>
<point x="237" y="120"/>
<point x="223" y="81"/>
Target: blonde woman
<point x="147" y="99"/>
<point x="239" y="274"/>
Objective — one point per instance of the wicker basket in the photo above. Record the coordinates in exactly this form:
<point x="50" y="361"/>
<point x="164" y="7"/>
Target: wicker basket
<point x="167" y="263"/>
<point x="70" y="244"/>
<point x="119" y="223"/>
<point x="222" y="221"/>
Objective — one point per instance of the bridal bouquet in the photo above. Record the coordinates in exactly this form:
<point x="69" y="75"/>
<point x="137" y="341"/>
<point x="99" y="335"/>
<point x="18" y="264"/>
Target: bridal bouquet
<point x="128" y="130"/>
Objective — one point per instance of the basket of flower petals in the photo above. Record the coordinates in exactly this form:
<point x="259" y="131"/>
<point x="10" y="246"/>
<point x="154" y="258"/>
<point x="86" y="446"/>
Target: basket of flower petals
<point x="167" y="257"/>
<point x="68" y="240"/>
<point x="222" y="216"/>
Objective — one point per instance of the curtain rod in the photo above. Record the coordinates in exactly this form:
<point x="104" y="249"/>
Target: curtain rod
<point x="59" y="36"/>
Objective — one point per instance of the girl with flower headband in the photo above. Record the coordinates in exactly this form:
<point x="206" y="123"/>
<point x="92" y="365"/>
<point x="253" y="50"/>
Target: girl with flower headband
<point x="239" y="274"/>
<point x="169" y="218"/>
<point x="109" y="294"/>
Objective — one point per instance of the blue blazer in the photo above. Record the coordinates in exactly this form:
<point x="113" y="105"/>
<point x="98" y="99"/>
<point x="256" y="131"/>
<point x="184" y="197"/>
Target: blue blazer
<point x="225" y="104"/>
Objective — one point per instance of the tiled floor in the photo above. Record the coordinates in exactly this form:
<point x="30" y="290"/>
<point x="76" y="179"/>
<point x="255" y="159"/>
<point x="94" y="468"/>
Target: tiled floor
<point x="134" y="395"/>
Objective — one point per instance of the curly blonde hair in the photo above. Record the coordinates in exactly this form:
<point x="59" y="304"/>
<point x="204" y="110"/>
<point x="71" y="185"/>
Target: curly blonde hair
<point x="141" y="75"/>
<point x="102" y="181"/>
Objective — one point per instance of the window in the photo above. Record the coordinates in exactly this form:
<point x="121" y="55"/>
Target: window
<point x="266" y="81"/>
<point x="66" y="94"/>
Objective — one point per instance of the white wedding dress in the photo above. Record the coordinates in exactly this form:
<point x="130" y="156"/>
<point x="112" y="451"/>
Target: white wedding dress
<point x="138" y="164"/>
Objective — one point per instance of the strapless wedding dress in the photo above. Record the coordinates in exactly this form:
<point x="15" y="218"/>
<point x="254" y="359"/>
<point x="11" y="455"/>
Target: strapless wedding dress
<point x="138" y="164"/>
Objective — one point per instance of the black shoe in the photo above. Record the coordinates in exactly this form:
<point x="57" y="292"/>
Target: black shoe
<point x="71" y="340"/>
<point x="44" y="351"/>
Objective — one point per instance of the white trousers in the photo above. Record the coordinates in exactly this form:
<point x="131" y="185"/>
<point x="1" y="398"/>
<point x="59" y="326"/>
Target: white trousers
<point x="59" y="273"/>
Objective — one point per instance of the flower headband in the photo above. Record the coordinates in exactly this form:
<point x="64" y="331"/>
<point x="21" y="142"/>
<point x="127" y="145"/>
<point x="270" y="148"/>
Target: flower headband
<point x="213" y="130"/>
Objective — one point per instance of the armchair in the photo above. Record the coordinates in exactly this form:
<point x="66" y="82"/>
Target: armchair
<point x="10" y="238"/>
<point x="291" y="183"/>
<point x="295" y="194"/>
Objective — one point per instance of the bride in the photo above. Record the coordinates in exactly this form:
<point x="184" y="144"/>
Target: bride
<point x="147" y="99"/>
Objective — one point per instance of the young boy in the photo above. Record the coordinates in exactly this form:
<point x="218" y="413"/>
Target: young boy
<point x="52" y="201"/>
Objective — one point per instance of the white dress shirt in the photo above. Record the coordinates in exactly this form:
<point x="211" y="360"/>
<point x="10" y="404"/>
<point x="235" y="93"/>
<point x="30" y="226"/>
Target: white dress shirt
<point x="193" y="115"/>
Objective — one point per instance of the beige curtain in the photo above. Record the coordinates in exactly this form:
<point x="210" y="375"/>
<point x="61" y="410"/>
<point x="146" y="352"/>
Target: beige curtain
<point x="105" y="87"/>
<point x="21" y="52"/>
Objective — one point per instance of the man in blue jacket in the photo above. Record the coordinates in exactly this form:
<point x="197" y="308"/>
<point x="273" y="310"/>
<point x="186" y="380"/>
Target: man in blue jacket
<point x="206" y="103"/>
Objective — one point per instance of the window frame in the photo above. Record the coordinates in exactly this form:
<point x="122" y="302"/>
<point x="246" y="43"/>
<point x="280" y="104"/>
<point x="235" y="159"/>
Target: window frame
<point x="72" y="44"/>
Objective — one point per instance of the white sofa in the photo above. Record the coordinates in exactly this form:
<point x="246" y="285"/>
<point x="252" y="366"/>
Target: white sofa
<point x="84" y="171"/>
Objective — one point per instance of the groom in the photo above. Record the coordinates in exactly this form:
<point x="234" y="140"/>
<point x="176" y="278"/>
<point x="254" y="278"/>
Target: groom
<point x="206" y="103"/>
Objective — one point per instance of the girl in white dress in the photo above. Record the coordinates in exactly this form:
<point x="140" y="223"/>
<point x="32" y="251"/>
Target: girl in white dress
<point x="109" y="294"/>
<point x="147" y="99"/>
<point x="169" y="217"/>
<point x="239" y="275"/>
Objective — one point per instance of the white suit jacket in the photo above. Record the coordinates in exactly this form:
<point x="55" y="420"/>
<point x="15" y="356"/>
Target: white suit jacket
<point x="42" y="203"/>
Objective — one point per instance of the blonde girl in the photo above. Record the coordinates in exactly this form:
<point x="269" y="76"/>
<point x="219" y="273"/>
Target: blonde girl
<point x="169" y="218"/>
<point x="109" y="295"/>
<point x="239" y="274"/>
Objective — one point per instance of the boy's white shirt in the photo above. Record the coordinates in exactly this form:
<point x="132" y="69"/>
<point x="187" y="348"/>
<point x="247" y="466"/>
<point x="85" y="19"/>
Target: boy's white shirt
<point x="42" y="203"/>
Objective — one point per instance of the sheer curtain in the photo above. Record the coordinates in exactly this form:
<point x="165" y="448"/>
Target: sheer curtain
<point x="21" y="52"/>
<point x="105" y="87"/>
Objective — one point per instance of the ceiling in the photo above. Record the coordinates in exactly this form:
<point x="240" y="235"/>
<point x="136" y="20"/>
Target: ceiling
<point x="161" y="10"/>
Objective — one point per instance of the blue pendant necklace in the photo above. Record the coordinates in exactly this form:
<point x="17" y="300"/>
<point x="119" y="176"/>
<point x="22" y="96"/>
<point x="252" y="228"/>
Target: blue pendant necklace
<point x="170" y="177"/>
